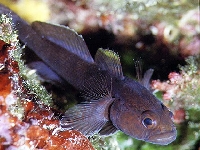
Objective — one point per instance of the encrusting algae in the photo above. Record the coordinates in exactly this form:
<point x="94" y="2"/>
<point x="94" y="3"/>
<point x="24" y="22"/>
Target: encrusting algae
<point x="25" y="124"/>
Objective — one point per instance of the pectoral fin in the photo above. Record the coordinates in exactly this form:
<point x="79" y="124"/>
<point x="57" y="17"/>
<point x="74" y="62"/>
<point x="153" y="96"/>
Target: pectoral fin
<point x="87" y="118"/>
<point x="64" y="37"/>
<point x="108" y="129"/>
<point x="110" y="61"/>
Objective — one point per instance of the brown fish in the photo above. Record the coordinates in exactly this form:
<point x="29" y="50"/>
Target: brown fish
<point x="114" y="101"/>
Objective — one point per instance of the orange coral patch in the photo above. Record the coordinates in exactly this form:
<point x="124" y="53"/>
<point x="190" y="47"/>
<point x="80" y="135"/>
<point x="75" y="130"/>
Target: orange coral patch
<point x="70" y="140"/>
<point x="38" y="135"/>
<point x="5" y="82"/>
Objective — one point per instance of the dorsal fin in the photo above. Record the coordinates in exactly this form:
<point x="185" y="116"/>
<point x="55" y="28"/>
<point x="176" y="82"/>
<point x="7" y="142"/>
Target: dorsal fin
<point x="64" y="37"/>
<point x="110" y="61"/>
<point x="146" y="78"/>
<point x="108" y="129"/>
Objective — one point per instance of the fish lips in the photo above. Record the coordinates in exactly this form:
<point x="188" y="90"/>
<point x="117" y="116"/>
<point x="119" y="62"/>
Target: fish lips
<point x="163" y="138"/>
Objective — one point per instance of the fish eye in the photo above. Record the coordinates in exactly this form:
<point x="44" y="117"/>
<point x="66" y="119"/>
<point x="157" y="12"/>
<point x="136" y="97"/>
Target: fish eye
<point x="149" y="119"/>
<point x="148" y="123"/>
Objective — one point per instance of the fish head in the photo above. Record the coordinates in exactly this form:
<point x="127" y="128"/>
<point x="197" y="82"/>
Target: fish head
<point x="138" y="113"/>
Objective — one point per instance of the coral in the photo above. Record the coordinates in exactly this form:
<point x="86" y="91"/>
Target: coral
<point x="175" y="25"/>
<point x="182" y="89"/>
<point x="31" y="80"/>
<point x="27" y="124"/>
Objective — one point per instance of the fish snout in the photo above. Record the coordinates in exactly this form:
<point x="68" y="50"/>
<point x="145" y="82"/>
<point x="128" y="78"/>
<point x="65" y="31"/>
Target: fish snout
<point x="167" y="128"/>
<point x="163" y="136"/>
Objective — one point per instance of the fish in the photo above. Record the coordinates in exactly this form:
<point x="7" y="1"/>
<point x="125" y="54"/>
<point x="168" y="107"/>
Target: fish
<point x="113" y="101"/>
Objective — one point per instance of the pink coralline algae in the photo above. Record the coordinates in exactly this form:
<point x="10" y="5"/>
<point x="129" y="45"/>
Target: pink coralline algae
<point x="181" y="91"/>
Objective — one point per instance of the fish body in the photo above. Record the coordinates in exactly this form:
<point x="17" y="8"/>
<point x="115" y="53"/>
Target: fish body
<point x="114" y="101"/>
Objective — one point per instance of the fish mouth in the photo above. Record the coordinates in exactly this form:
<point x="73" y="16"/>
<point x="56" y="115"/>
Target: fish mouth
<point x="163" y="138"/>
